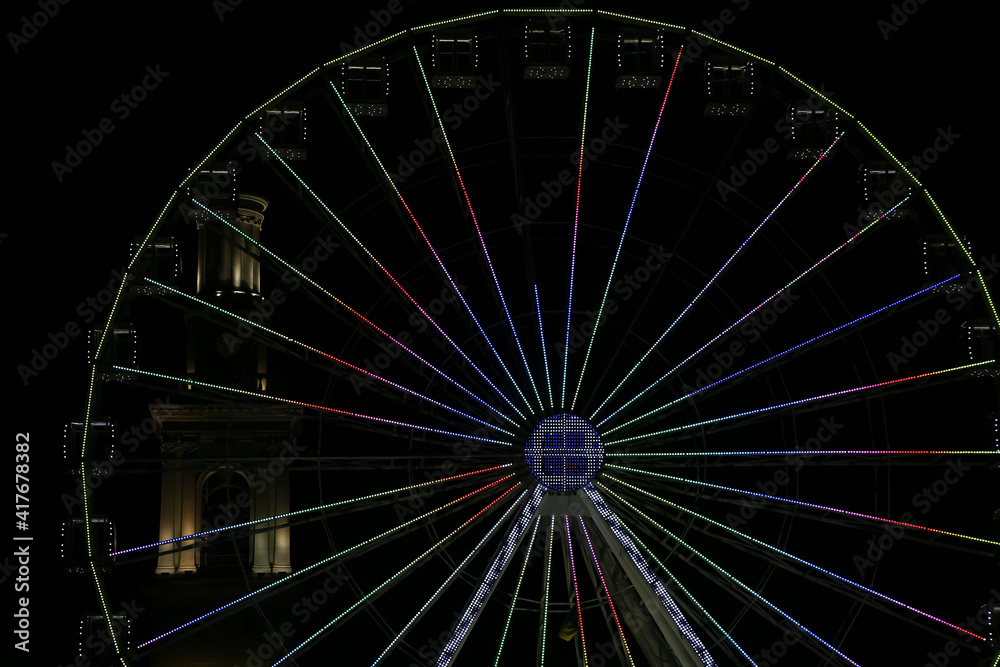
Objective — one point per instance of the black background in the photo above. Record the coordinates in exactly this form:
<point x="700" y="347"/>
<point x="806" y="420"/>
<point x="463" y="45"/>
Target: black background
<point x="63" y="240"/>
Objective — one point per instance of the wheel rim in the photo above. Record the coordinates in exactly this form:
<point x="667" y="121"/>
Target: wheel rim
<point x="713" y="422"/>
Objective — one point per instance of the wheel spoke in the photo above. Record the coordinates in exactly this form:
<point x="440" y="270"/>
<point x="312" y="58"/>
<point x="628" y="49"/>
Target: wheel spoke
<point x="802" y="561"/>
<point x="779" y="355"/>
<point x="621" y="241"/>
<point x="771" y="408"/>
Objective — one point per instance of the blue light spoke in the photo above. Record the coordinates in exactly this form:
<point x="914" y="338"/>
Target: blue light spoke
<point x="545" y="354"/>
<point x="326" y="561"/>
<point x="433" y="550"/>
<point x="780" y="354"/>
<point x="678" y="584"/>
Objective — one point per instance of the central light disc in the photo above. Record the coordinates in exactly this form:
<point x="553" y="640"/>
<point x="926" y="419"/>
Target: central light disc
<point x="564" y="453"/>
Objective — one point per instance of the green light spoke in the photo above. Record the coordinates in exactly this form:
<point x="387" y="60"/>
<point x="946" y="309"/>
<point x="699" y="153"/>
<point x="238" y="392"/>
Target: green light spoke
<point x="310" y="510"/>
<point x="392" y="184"/>
<point x="322" y="408"/>
<point x="324" y="564"/>
<point x="576" y="219"/>
<point x="717" y="275"/>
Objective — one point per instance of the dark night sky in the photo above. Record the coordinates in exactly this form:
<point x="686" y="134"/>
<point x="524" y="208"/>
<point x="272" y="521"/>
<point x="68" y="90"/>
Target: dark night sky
<point x="64" y="238"/>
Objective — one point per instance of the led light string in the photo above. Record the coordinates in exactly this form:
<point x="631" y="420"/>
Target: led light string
<point x="800" y="401"/>
<point x="321" y="563"/>
<point x="723" y="572"/>
<point x="756" y="308"/>
<point x="795" y="558"/>
<point x="389" y="275"/>
<point x="278" y="399"/>
<point x="320" y="508"/>
<point x="354" y="312"/>
<point x="628" y="219"/>
<point x="780" y="354"/>
<point x="479" y="232"/>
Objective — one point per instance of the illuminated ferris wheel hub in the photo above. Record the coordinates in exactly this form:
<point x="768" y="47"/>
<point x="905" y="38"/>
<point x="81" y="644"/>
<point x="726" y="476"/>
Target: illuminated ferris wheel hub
<point x="564" y="452"/>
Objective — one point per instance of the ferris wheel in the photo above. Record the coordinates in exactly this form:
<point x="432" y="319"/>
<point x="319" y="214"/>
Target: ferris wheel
<point x="545" y="337"/>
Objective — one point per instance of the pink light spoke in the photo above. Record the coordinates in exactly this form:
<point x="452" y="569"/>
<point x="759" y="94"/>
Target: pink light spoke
<point x="320" y="508"/>
<point x="336" y="360"/>
<point x="607" y="592"/>
<point x="322" y="408"/>
<point x="721" y="571"/>
<point x="576" y="591"/>
<point x="545" y="354"/>
<point x="325" y="561"/>
<point x="386" y="271"/>
<point x="434" y="549"/>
